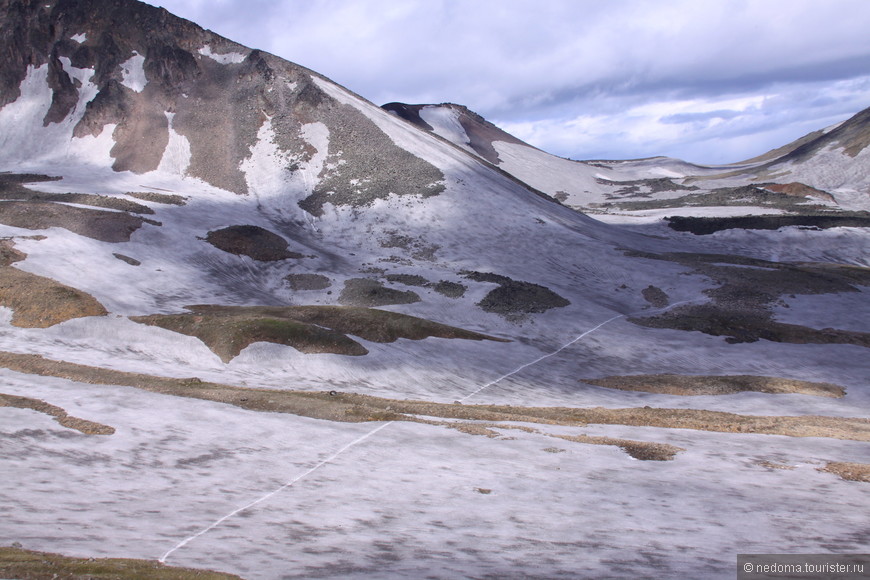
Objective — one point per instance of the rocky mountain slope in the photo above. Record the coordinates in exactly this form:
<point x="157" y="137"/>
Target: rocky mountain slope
<point x="829" y="165"/>
<point x="253" y="322"/>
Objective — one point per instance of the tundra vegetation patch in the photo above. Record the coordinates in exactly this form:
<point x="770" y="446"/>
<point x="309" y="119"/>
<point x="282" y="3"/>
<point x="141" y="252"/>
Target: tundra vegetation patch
<point x="59" y="414"/>
<point x="227" y="330"/>
<point x="29" y="209"/>
<point x="351" y="407"/>
<point x="28" y="564"/>
<point x="794" y="198"/>
<point x="105" y="226"/>
<point x="849" y="471"/>
<point x="699" y="385"/>
<point x="36" y="301"/>
<point x="367" y="292"/>
<point x="253" y="241"/>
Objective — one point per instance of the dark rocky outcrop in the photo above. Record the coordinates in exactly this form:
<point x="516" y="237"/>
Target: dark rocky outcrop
<point x="252" y="241"/>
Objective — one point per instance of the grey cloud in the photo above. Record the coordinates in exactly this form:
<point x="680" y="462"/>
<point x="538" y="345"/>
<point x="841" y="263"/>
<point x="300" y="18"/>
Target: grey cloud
<point x="550" y="62"/>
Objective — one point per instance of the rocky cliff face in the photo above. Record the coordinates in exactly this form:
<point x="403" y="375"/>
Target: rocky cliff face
<point x="144" y="74"/>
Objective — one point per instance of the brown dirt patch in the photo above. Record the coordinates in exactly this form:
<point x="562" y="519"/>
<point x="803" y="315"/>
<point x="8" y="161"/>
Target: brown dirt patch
<point x="32" y="565"/>
<point x="154" y="197"/>
<point x="692" y="385"/>
<point x="36" y="301"/>
<point x="227" y="330"/>
<point x="349" y="407"/>
<point x="643" y="450"/>
<point x="849" y="471"/>
<point x="774" y="465"/>
<point x="797" y="189"/>
<point x="60" y="415"/>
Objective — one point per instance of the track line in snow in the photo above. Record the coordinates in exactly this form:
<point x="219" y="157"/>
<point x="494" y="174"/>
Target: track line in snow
<point x="539" y="359"/>
<point x="275" y="491"/>
<point x="567" y="344"/>
<point x="365" y="436"/>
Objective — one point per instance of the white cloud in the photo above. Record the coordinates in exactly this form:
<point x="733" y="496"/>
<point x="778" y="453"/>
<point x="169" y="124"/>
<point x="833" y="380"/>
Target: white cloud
<point x="618" y="64"/>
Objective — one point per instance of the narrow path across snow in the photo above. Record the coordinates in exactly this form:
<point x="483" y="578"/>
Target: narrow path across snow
<point x="365" y="436"/>
<point x="218" y="522"/>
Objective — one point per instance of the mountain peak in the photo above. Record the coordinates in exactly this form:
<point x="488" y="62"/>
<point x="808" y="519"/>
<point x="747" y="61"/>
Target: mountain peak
<point x="152" y="79"/>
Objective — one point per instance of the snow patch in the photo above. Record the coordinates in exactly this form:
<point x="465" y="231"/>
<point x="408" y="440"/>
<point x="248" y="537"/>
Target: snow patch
<point x="26" y="143"/>
<point x="176" y="156"/>
<point x="80" y="38"/>
<point x="275" y="176"/>
<point x="226" y="58"/>
<point x="133" y="72"/>
<point x="445" y="122"/>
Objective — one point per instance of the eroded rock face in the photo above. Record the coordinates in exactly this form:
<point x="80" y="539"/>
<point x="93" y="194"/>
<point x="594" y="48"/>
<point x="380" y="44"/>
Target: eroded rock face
<point x="153" y="72"/>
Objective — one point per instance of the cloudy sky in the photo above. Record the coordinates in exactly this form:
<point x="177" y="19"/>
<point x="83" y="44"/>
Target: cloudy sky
<point x="710" y="81"/>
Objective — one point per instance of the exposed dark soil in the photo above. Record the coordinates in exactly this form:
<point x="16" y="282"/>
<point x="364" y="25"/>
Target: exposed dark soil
<point x="514" y="299"/>
<point x="36" y="301"/>
<point x="707" y="225"/>
<point x="740" y="308"/>
<point x="350" y="407"/>
<point x="443" y="287"/>
<point x="31" y="565"/>
<point x="60" y="415"/>
<point x="227" y="330"/>
<point x="128" y="259"/>
<point x="641" y="187"/>
<point x="418" y="248"/>
<point x="252" y="241"/>
<point x="408" y="279"/>
<point x="748" y="327"/>
<point x="106" y="226"/>
<point x="368" y="292"/>
<point x="307" y="281"/>
<point x="655" y="296"/>
<point x="449" y="289"/>
<point x="692" y="385"/>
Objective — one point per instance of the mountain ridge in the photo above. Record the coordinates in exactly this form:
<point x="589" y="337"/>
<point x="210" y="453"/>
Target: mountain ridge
<point x="251" y="321"/>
